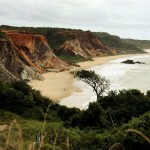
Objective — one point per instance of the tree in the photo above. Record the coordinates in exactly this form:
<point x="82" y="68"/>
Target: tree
<point x="94" y="117"/>
<point x="99" y="84"/>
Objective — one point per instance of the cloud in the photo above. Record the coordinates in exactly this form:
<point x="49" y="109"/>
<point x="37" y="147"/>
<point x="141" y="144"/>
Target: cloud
<point x="121" y="17"/>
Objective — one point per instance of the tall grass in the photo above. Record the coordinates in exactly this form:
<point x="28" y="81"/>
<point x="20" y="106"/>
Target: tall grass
<point x="139" y="133"/>
<point x="116" y="145"/>
<point x="43" y="134"/>
<point x="67" y="143"/>
<point x="15" y="141"/>
<point x="10" y="138"/>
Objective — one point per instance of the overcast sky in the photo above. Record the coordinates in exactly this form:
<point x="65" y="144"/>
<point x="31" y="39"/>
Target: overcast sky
<point x="125" y="18"/>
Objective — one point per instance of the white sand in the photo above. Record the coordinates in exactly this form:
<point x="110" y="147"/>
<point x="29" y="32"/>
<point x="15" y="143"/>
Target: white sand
<point x="60" y="85"/>
<point x="55" y="86"/>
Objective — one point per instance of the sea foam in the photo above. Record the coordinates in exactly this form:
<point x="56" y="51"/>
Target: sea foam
<point x="121" y="76"/>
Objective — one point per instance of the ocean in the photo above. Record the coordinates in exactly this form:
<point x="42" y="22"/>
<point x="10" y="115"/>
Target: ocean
<point x="121" y="76"/>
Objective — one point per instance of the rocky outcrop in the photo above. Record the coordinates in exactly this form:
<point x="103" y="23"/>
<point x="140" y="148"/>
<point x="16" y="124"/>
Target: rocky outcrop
<point x="81" y="43"/>
<point x="35" y="51"/>
<point x="132" y="62"/>
<point x="26" y="56"/>
<point x="11" y="66"/>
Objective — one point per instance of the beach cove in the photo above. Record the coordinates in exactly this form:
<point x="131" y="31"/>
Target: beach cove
<point x="60" y="87"/>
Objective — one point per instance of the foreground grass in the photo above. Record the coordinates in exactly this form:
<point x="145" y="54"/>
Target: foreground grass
<point x="21" y="135"/>
<point x="58" y="127"/>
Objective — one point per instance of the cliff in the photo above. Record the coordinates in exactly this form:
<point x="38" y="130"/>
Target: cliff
<point x="11" y="66"/>
<point x="81" y="43"/>
<point x="35" y="51"/>
<point x="32" y="49"/>
<point x="26" y="55"/>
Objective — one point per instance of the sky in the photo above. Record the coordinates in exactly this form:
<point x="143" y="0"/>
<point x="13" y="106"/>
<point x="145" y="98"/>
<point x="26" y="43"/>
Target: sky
<point x="125" y="18"/>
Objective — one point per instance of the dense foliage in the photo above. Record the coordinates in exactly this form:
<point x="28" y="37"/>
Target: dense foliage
<point x="103" y="124"/>
<point x="72" y="60"/>
<point x="117" y="43"/>
<point x="2" y="35"/>
<point x="124" y="105"/>
<point x="20" y="98"/>
<point x="143" y="44"/>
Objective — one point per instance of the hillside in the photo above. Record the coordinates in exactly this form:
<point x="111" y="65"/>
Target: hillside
<point x="66" y="42"/>
<point x="115" y="42"/>
<point x="143" y="44"/>
<point x="70" y="44"/>
<point x="27" y="52"/>
<point x="81" y="44"/>
<point x="104" y="124"/>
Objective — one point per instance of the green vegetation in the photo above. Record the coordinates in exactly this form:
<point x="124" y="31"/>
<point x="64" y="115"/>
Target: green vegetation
<point x="73" y="59"/>
<point x="143" y="44"/>
<point x="117" y="43"/>
<point x="103" y="124"/>
<point x="2" y="35"/>
<point x="98" y="83"/>
<point x="52" y="34"/>
<point x="81" y="139"/>
<point x="18" y="97"/>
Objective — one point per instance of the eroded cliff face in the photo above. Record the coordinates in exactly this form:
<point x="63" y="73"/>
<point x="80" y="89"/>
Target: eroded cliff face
<point x="11" y="66"/>
<point x="35" y="51"/>
<point x="26" y="56"/>
<point x="82" y="43"/>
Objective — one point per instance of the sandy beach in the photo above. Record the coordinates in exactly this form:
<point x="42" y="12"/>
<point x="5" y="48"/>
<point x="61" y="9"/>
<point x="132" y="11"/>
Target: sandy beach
<point x="57" y="86"/>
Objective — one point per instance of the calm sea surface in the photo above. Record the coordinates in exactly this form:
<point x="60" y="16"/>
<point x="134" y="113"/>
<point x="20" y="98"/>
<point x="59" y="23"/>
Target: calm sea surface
<point x="121" y="76"/>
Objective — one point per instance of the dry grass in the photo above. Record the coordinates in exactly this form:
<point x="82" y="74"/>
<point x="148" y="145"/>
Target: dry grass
<point x="11" y="140"/>
<point x="139" y="133"/>
<point x="116" y="145"/>
<point x="43" y="128"/>
<point x="14" y="137"/>
<point x="68" y="142"/>
<point x="55" y="140"/>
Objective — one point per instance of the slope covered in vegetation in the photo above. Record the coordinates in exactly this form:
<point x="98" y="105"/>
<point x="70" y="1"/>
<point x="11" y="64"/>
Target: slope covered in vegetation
<point x="143" y="44"/>
<point x="100" y="126"/>
<point x="115" y="42"/>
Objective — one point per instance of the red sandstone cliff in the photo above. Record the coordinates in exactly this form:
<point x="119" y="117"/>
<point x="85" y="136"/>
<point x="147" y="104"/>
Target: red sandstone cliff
<point x="11" y="66"/>
<point x="82" y="43"/>
<point x="25" y="55"/>
<point x="35" y="51"/>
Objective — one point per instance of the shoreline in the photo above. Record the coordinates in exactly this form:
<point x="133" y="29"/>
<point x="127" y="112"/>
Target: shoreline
<point x="58" y="86"/>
